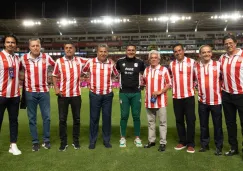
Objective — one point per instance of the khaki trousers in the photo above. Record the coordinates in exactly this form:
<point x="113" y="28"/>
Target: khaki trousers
<point x="151" y="115"/>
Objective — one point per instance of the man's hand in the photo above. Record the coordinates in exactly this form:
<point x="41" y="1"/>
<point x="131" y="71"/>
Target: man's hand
<point x="156" y="93"/>
<point x="58" y="92"/>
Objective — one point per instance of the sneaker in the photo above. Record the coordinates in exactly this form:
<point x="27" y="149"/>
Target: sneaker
<point x="63" y="147"/>
<point x="35" y="147"/>
<point x="46" y="145"/>
<point x="123" y="142"/>
<point x="190" y="150"/>
<point x="138" y="142"/>
<point x="14" y="149"/>
<point x="179" y="147"/>
<point x="218" y="152"/>
<point x="76" y="146"/>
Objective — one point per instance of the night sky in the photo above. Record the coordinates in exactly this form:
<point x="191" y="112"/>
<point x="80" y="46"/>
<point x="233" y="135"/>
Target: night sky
<point x="83" y="8"/>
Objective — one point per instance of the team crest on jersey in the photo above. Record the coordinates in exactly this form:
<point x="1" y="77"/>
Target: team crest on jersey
<point x="135" y="64"/>
<point x="63" y="64"/>
<point x="124" y="64"/>
<point x="160" y="72"/>
<point x="43" y="61"/>
<point x="215" y="68"/>
<point x="189" y="64"/>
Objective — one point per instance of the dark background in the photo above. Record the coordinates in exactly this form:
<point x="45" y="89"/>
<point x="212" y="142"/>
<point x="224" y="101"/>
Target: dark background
<point x="83" y="8"/>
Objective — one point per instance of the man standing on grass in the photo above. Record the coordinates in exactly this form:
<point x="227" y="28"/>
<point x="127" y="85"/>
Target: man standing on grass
<point x="9" y="89"/>
<point x="100" y="95"/>
<point x="232" y="94"/>
<point x="157" y="81"/>
<point x="130" y="68"/>
<point x="207" y="74"/>
<point x="35" y="65"/>
<point x="68" y="68"/>
<point x="183" y="98"/>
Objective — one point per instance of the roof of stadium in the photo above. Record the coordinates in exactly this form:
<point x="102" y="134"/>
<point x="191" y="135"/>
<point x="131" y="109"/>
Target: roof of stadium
<point x="200" y="22"/>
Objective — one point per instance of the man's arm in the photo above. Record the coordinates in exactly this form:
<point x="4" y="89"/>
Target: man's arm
<point x="54" y="79"/>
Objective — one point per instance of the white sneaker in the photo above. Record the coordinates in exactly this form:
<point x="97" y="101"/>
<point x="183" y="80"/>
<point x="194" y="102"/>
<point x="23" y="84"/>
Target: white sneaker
<point x="138" y="142"/>
<point x="14" y="149"/>
<point x="123" y="142"/>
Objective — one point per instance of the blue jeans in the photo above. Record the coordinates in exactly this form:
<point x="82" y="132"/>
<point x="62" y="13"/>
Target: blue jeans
<point x="98" y="102"/>
<point x="43" y="99"/>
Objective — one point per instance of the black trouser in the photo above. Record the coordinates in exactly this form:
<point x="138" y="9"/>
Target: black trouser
<point x="204" y="112"/>
<point x="185" y="108"/>
<point x="231" y="104"/>
<point x="12" y="105"/>
<point x="98" y="102"/>
<point x="63" y="103"/>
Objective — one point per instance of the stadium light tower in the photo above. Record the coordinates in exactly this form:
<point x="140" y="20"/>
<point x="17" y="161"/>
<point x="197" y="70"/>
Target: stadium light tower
<point x="66" y="22"/>
<point x="107" y="20"/>
<point x="31" y="23"/>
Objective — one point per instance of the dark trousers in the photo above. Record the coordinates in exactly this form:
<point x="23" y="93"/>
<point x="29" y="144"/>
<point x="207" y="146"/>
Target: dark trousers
<point x="204" y="112"/>
<point x="185" y="109"/>
<point x="98" y="102"/>
<point x="12" y="105"/>
<point x="231" y="104"/>
<point x="63" y="103"/>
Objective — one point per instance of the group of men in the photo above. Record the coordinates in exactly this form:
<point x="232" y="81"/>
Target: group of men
<point x="212" y="78"/>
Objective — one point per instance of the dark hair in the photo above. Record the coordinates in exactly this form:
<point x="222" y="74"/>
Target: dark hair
<point x="131" y="45"/>
<point x="10" y="35"/>
<point x="230" y="36"/>
<point x="178" y="44"/>
<point x="69" y="42"/>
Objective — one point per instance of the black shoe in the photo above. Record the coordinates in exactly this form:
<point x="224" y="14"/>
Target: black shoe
<point x="46" y="145"/>
<point x="76" y="145"/>
<point x="231" y="153"/>
<point x="63" y="147"/>
<point x="150" y="144"/>
<point x="204" y="149"/>
<point x="162" y="147"/>
<point x="91" y="146"/>
<point x="107" y="145"/>
<point x="218" y="152"/>
<point x="35" y="147"/>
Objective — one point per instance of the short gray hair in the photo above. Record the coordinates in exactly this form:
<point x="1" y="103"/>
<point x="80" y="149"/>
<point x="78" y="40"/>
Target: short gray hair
<point x="153" y="52"/>
<point x="102" y="45"/>
<point x="34" y="39"/>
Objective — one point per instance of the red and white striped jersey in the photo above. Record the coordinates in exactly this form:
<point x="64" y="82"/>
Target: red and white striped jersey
<point x="156" y="80"/>
<point x="69" y="72"/>
<point x="182" y="78"/>
<point x="208" y="79"/>
<point x="232" y="72"/>
<point x="9" y="87"/>
<point x="35" y="71"/>
<point x="100" y="75"/>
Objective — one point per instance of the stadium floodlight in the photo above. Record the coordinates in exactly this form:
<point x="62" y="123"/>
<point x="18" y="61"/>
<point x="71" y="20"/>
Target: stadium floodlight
<point x="30" y="23"/>
<point x="232" y="16"/>
<point x="107" y="20"/>
<point x="66" y="22"/>
<point x="172" y="18"/>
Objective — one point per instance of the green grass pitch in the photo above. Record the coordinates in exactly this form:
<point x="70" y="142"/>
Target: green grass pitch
<point x="130" y="158"/>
